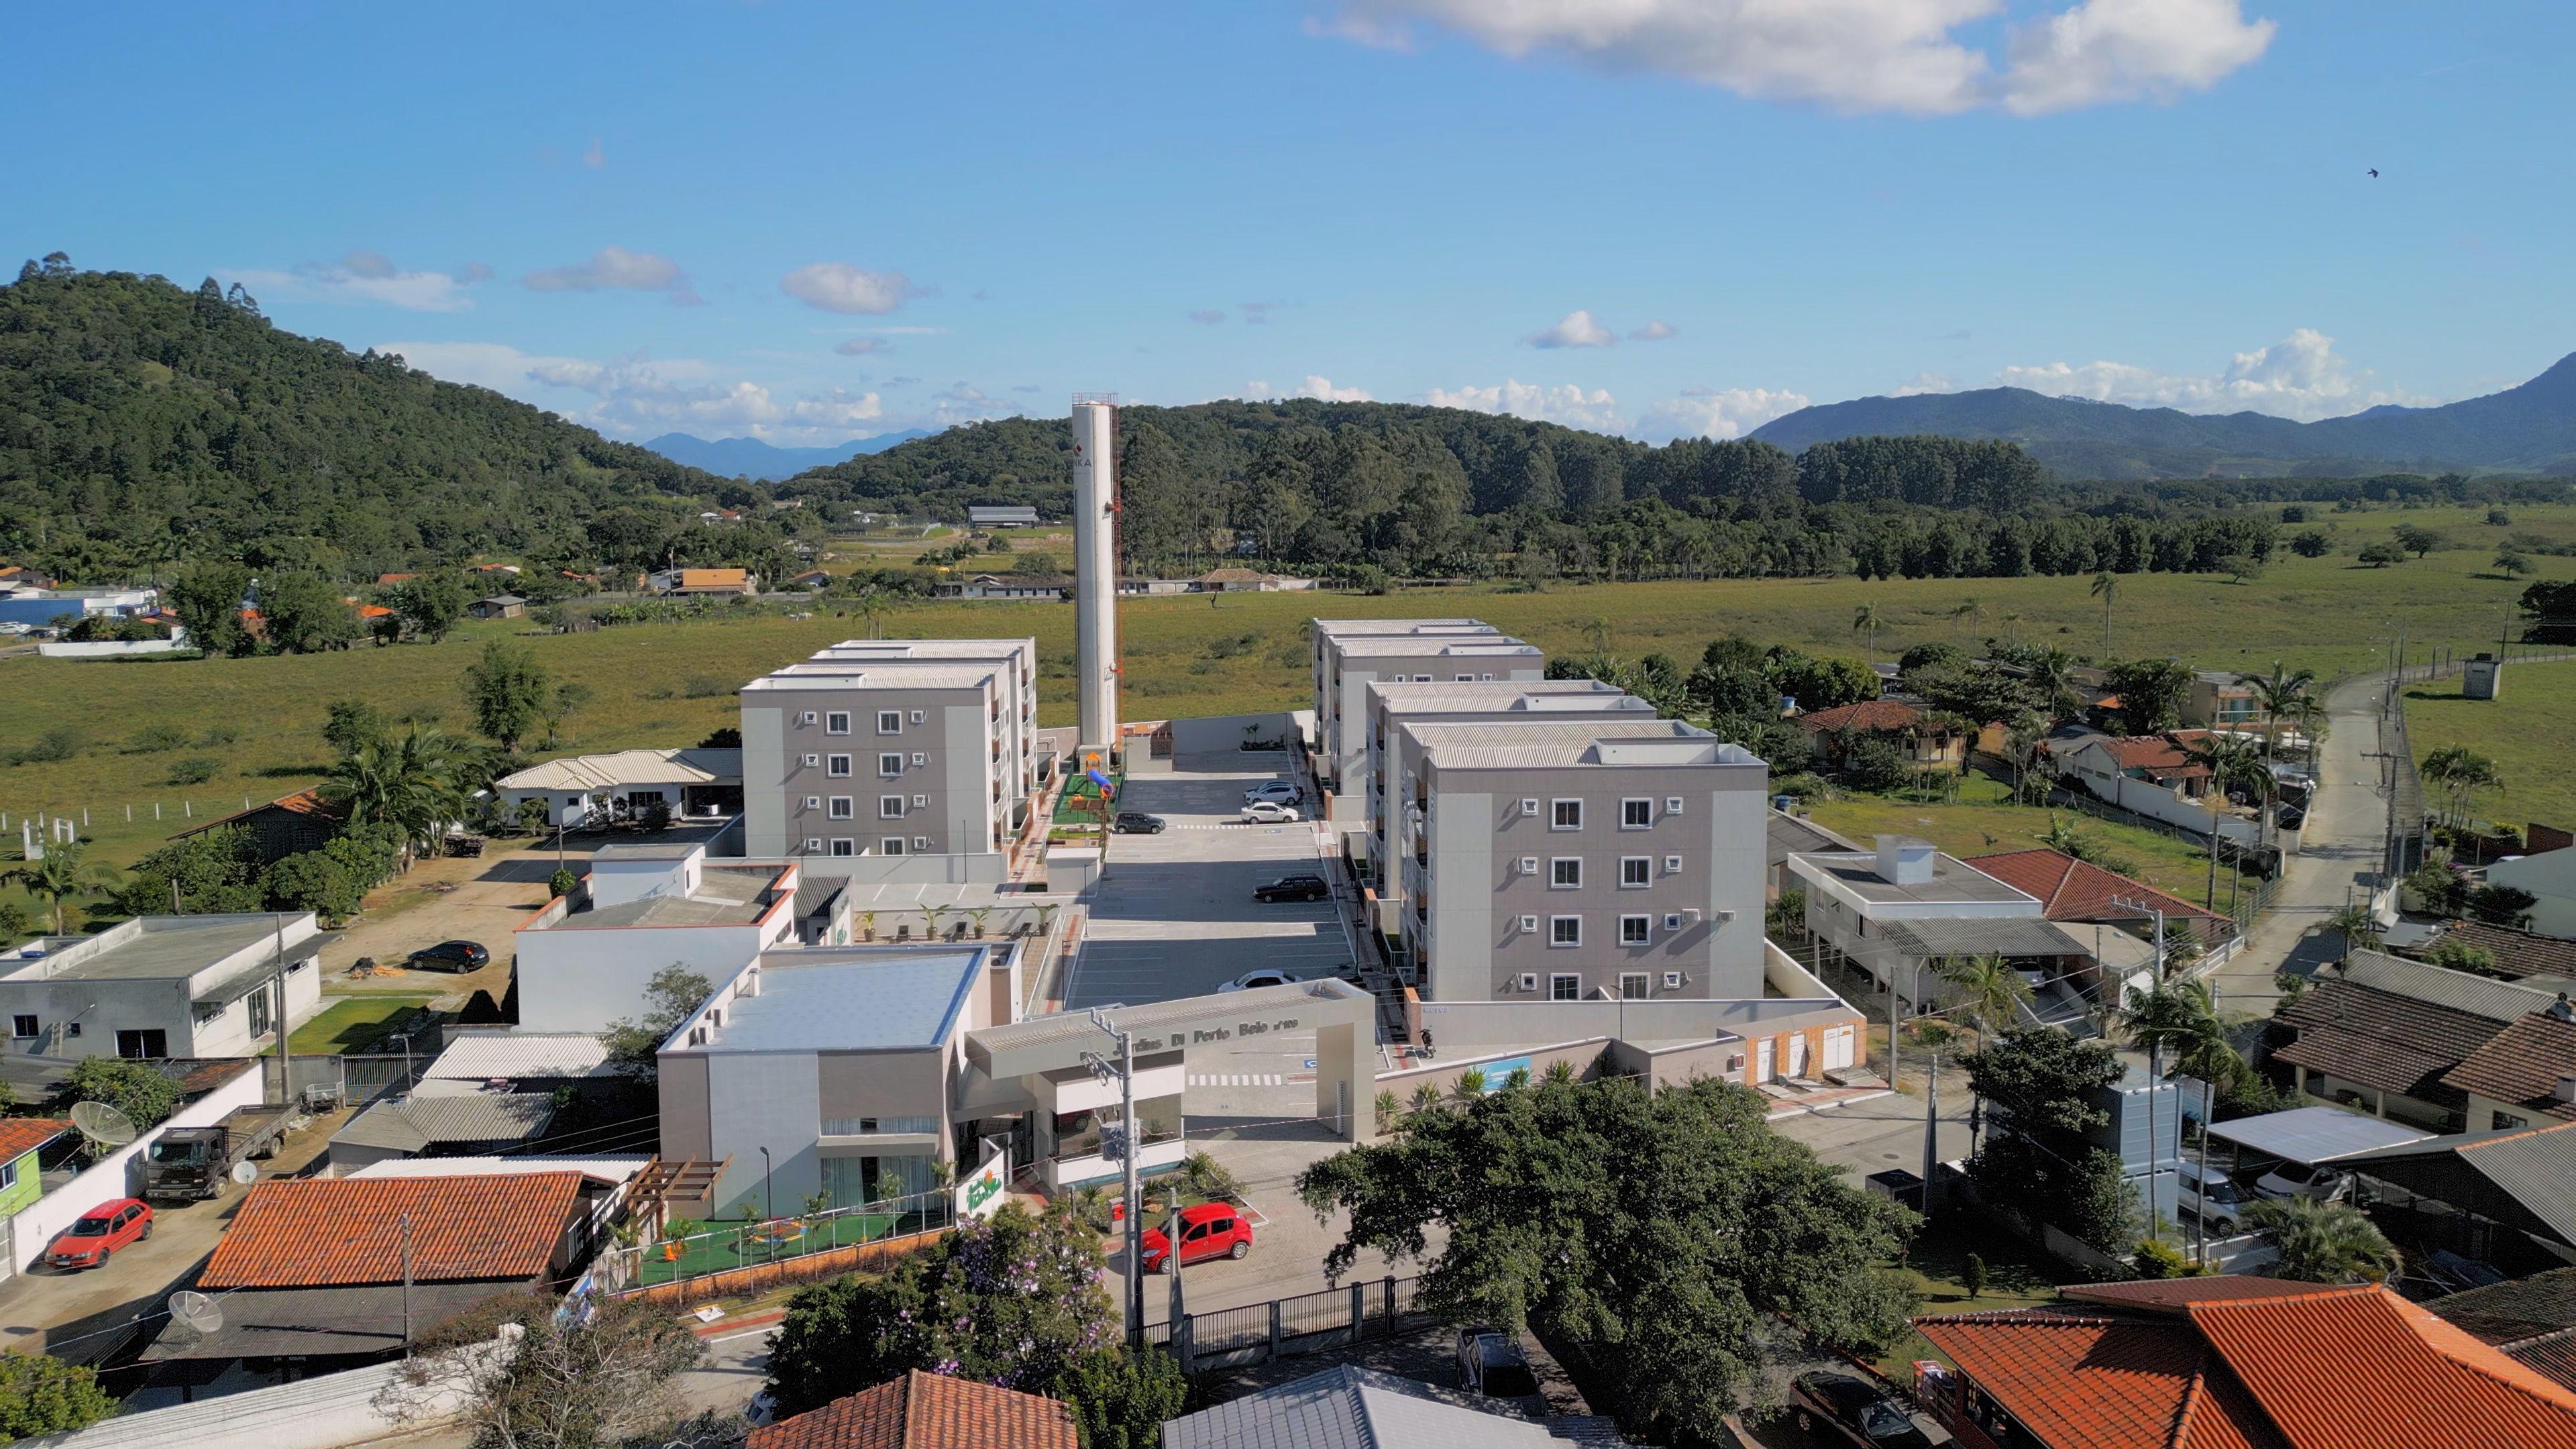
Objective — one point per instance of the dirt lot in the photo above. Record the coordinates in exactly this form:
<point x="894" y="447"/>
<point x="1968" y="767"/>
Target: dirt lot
<point x="80" y="1315"/>
<point x="480" y="900"/>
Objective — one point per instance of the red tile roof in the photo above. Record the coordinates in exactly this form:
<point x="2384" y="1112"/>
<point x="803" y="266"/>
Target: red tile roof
<point x="1882" y="716"/>
<point x="2522" y="1064"/>
<point x="2078" y="890"/>
<point x="328" y="1232"/>
<point x="2104" y="1383"/>
<point x="22" y="1135"/>
<point x="926" y="1411"/>
<point x="2160" y="755"/>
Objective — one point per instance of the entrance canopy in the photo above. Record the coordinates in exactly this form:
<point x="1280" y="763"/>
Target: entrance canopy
<point x="1056" y="1042"/>
<point x="2310" y="1135"/>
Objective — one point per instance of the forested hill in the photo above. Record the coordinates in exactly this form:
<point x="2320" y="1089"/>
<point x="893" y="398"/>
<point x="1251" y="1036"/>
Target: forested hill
<point x="2530" y="428"/>
<point x="142" y="422"/>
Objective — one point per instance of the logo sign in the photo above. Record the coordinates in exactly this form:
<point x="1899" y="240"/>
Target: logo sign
<point x="980" y="1195"/>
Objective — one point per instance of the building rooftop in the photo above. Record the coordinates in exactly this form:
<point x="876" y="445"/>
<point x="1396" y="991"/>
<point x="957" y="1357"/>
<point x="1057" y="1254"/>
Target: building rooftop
<point x="629" y="767"/>
<point x="2532" y="1168"/>
<point x="2524" y="1064"/>
<point x="448" y="1112"/>
<point x="1867" y="716"/>
<point x="872" y="674"/>
<point x="2499" y="1001"/>
<point x="22" y="1135"/>
<point x="483" y="1057"/>
<point x="2078" y="890"/>
<point x="1403" y="696"/>
<point x="1790" y="835"/>
<point x="1558" y="745"/>
<point x="1981" y="936"/>
<point x="725" y="896"/>
<point x="2509" y="1312"/>
<point x="1365" y="628"/>
<point x="1436" y="646"/>
<point x="160" y="948"/>
<point x="926" y="1411"/>
<point x="1355" y="1408"/>
<point x="2382" y="1040"/>
<point x="851" y="999"/>
<point x="315" y="1232"/>
<point x="903" y="649"/>
<point x="1953" y="882"/>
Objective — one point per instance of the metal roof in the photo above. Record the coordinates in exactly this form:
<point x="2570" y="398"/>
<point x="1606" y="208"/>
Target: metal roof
<point x="1436" y="646"/>
<point x="416" y="1123"/>
<point x="851" y="999"/>
<point x="2312" y="1135"/>
<point x="2459" y="990"/>
<point x="1553" y="745"/>
<point x="629" y="767"/>
<point x="726" y="896"/>
<point x="358" y="1319"/>
<point x="1953" y="881"/>
<point x="1789" y="835"/>
<point x="161" y="948"/>
<point x="1354" y="1408"/>
<point x="2535" y="1166"/>
<point x="1992" y="935"/>
<point x="1045" y="1043"/>
<point x="480" y="1057"/>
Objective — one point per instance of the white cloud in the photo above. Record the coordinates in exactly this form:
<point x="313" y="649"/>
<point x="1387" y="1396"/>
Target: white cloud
<point x="1653" y="332"/>
<point x="1565" y="404"/>
<point x="1574" y="329"/>
<point x="1853" y="55"/>
<point x="637" y="396"/>
<point x="365" y="276"/>
<point x="617" y="269"/>
<point x="840" y="287"/>
<point x="859" y="346"/>
<point x="1708" y="412"/>
<point x="2128" y="50"/>
<point x="1923" y="382"/>
<point x="2299" y="377"/>
<point x="479" y="364"/>
<point x="1314" y="386"/>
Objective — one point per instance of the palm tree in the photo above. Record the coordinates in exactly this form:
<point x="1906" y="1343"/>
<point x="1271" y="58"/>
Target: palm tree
<point x="1598" y="631"/>
<point x="2052" y="676"/>
<point x="2178" y="1022"/>
<point x="2012" y="625"/>
<point x="2324" y="1242"/>
<point x="2462" y="773"/>
<point x="2230" y="761"/>
<point x="2106" y="584"/>
<point x="1965" y="609"/>
<point x="1987" y="993"/>
<point x="1866" y="621"/>
<point x="2358" y="927"/>
<point x="417" y="784"/>
<point x="2280" y="693"/>
<point x="62" y="873"/>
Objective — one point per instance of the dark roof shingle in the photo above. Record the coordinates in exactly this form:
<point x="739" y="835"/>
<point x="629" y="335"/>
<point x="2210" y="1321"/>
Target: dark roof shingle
<point x="2522" y="1064"/>
<point x="2380" y="1040"/>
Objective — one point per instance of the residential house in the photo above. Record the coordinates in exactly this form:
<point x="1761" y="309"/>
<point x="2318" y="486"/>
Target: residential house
<point x="703" y="581"/>
<point x="37" y="608"/>
<point x="163" y="986"/>
<point x="495" y="570"/>
<point x="1897" y="913"/>
<point x="2116" y="916"/>
<point x="585" y="959"/>
<point x="1348" y="1406"/>
<point x="2529" y="1320"/>
<point x="2384" y="1035"/>
<point x="1785" y="835"/>
<point x="1350" y="654"/>
<point x="22" y="1142"/>
<point x="2231" y="1361"/>
<point x="595" y="791"/>
<point x="2505" y="1197"/>
<point x="2525" y="956"/>
<point x="1046" y="587"/>
<point x="2550" y="878"/>
<point x="1000" y="516"/>
<point x="1234" y="580"/>
<point x="321" y="1274"/>
<point x="387" y="581"/>
<point x="441" y="1119"/>
<point x="2523" y="1074"/>
<point x="1919" y="744"/>
<point x="926" y="1411"/>
<point x="2220" y="699"/>
<point x="288" y="825"/>
<point x="2154" y="776"/>
<point x="812" y="581"/>
<point x="498" y="606"/>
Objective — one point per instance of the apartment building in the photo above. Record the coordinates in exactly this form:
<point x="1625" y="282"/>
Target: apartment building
<point x="1017" y="658"/>
<point x="1589" y="859"/>
<point x="1350" y="655"/>
<point x="1393" y="705"/>
<point x="886" y="757"/>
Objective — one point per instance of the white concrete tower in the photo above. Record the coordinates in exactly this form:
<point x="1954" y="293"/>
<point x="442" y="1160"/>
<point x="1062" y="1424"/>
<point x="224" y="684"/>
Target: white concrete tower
<point x="1095" y="573"/>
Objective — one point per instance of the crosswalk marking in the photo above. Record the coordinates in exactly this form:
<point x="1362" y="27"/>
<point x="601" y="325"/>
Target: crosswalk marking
<point x="1236" y="1079"/>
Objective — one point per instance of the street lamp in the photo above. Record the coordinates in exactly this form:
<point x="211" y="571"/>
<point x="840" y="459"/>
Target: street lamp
<point x="1125" y="1072"/>
<point x="768" y="1198"/>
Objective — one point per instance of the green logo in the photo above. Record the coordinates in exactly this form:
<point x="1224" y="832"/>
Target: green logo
<point x="986" y="1186"/>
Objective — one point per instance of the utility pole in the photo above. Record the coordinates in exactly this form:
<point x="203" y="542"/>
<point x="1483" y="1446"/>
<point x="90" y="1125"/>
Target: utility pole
<point x="285" y="1063"/>
<point x="1931" y="1129"/>
<point x="406" y="1301"/>
<point x="2155" y="1070"/>
<point x="1125" y="1071"/>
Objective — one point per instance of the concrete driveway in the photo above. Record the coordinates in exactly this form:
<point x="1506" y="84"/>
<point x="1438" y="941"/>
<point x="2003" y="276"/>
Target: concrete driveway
<point x="482" y="900"/>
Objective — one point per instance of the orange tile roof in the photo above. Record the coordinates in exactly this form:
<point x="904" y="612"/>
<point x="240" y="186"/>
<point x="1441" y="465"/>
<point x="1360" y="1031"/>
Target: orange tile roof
<point x="709" y="578"/>
<point x="2161" y="755"/>
<point x="2081" y="1382"/>
<point x="22" y="1135"/>
<point x="2078" y="890"/>
<point x="1867" y="716"/>
<point x="330" y="1232"/>
<point x="383" y="579"/>
<point x="2522" y="1064"/>
<point x="926" y="1411"/>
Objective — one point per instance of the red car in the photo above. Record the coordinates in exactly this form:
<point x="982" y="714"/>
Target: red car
<point x="1210" y="1230"/>
<point x="101" y="1231"/>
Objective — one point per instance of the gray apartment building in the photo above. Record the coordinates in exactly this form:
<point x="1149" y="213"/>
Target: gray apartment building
<point x="1580" y="860"/>
<point x="1392" y="764"/>
<point x="1018" y="659"/>
<point x="1351" y="655"/>
<point x="856" y="758"/>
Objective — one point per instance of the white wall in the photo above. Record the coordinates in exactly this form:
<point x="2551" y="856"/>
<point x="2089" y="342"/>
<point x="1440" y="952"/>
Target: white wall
<point x="2550" y="875"/>
<point x="120" y="1174"/>
<point x="765" y="1099"/>
<point x="581" y="980"/>
<point x="316" y="1413"/>
<point x="107" y="648"/>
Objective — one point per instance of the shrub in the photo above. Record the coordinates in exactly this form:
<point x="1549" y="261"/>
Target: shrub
<point x="562" y="883"/>
<point x="704" y="686"/>
<point x="42" y="1395"/>
<point x="222" y="734"/>
<point x="194" y="770"/>
<point x="1972" y="1276"/>
<point x="156" y="738"/>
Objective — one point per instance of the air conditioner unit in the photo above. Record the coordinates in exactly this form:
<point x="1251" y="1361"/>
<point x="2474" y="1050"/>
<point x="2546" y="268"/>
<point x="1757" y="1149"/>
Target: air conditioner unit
<point x="814" y="846"/>
<point x="1691" y="914"/>
<point x="919" y="715"/>
<point x="1529" y="807"/>
<point x="921" y="842"/>
<point x="1672" y="804"/>
<point x="1722" y="916"/>
<point x="1529" y="981"/>
<point x="813" y="802"/>
<point x="1529" y="865"/>
<point x="920" y="758"/>
<point x="808" y="717"/>
<point x="812" y="760"/>
<point x="1672" y="864"/>
<point x="1529" y="923"/>
<point x="1673" y="980"/>
<point x="920" y="802"/>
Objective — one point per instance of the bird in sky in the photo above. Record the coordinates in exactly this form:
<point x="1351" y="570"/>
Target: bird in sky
<point x="2374" y="171"/>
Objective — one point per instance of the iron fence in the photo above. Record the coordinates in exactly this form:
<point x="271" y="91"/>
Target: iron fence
<point x="356" y="1081"/>
<point x="1289" y="1327"/>
<point x="726" y="1247"/>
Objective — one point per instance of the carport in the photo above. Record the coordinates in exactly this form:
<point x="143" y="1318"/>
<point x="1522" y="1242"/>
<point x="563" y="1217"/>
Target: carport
<point x="2311" y="1135"/>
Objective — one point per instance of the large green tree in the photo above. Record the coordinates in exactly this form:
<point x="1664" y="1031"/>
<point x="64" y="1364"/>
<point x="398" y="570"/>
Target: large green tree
<point x="304" y="613"/>
<point x="207" y="597"/>
<point x="509" y="692"/>
<point x="431" y="603"/>
<point x="1658" y="1233"/>
<point x="2039" y="1086"/>
<point x="42" y="1395"/>
<point x="2152" y="693"/>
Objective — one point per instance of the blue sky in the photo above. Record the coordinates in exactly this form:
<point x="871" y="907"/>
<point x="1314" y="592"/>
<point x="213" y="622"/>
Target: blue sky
<point x="810" y="222"/>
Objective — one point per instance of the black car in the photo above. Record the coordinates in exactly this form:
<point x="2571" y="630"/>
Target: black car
<point x="1137" y="822"/>
<point x="457" y="956"/>
<point x="1294" y="888"/>
<point x="1491" y="1364"/>
<point x="1856" y="1411"/>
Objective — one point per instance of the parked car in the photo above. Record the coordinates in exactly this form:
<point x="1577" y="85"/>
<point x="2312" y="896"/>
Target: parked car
<point x="101" y="1231"/>
<point x="1209" y="1230"/>
<point x="1293" y="888"/>
<point x="1277" y="792"/>
<point x="1264" y="977"/>
<point x="1855" y="1411"/>
<point x="457" y="956"/>
<point x="2217" y="1200"/>
<point x="1264" y="812"/>
<point x="2292" y="1179"/>
<point x="1491" y="1365"/>
<point x="1137" y="822"/>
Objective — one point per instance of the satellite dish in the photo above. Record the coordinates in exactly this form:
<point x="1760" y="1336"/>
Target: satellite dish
<point x="197" y="1311"/>
<point x="103" y="1124"/>
<point x="245" y="1172"/>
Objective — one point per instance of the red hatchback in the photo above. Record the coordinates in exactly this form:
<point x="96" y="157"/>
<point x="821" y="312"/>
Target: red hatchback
<point x="101" y="1231"/>
<point x="1210" y="1230"/>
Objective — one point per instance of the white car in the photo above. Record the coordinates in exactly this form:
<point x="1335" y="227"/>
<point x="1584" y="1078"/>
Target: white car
<point x="1277" y="792"/>
<point x="1251" y="979"/>
<point x="1269" y="812"/>
<point x="2292" y="1179"/>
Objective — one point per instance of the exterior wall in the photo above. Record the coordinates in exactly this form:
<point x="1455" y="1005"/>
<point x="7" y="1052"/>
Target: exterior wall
<point x="2551" y="876"/>
<point x="25" y="1184"/>
<point x="1347" y="731"/>
<point x="102" y="1008"/>
<point x="581" y="980"/>
<point x="1392" y="769"/>
<point x="947" y="763"/>
<point x="764" y="769"/>
<point x="1461" y="1026"/>
<point x="2099" y="773"/>
<point x="120" y="1173"/>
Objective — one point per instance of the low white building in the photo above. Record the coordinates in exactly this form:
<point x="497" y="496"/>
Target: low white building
<point x="585" y="959"/>
<point x="163" y="986"/>
<point x="2550" y="878"/>
<point x="1897" y="914"/>
<point x="582" y="791"/>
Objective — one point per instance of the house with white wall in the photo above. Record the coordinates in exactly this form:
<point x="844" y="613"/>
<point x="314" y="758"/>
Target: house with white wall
<point x="164" y="986"/>
<point x="585" y="959"/>
<point x="1898" y="913"/>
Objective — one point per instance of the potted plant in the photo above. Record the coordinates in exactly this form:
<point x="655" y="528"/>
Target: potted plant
<point x="934" y="915"/>
<point x="867" y="925"/>
<point x="980" y="915"/>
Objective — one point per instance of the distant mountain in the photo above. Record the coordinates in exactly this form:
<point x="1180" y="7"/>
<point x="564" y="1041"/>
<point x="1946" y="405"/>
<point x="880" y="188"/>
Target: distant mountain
<point x="2527" y="429"/>
<point x="752" y="458"/>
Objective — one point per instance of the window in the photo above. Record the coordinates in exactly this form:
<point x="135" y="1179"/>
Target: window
<point x="1565" y="873"/>
<point x="837" y="766"/>
<point x="837" y="722"/>
<point x="9" y="1173"/>
<point x="2504" y="1120"/>
<point x="1565" y="930"/>
<point x="1636" y="870"/>
<point x="918" y="716"/>
<point x="890" y="764"/>
<point x="259" y="1010"/>
<point x="1565" y="986"/>
<point x="24" y="1025"/>
<point x="144" y="1045"/>
<point x="920" y="802"/>
<point x="843" y="808"/>
<point x="1633" y="985"/>
<point x="1568" y="815"/>
<point x="889" y="721"/>
<point x="843" y="845"/>
<point x="874" y="1126"/>
<point x="1636" y="814"/>
<point x="1466" y="679"/>
<point x="920" y="843"/>
<point x="1673" y="982"/>
<point x="1422" y="679"/>
<point x="813" y="845"/>
<point x="1529" y="808"/>
<point x="891" y="845"/>
<point x="889" y="807"/>
<point x="1636" y="930"/>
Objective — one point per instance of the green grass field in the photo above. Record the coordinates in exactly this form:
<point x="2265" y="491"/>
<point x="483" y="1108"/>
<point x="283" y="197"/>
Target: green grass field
<point x="1982" y="823"/>
<point x="257" y="720"/>
<point x="357" y="1024"/>
<point x="2524" y="730"/>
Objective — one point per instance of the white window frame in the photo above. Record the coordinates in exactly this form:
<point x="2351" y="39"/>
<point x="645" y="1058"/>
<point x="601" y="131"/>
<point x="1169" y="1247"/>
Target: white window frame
<point x="1565" y="986"/>
<point x="1556" y="813"/>
<point x="889" y="764"/>
<point x="1629" y="808"/>
<point x="837" y="722"/>
<point x="1645" y="985"/>
<point x="1557" y="873"/>
<point x="1636" y="871"/>
<point x="1530" y="924"/>
<point x="1529" y="809"/>
<point x="918" y="716"/>
<point x="920" y="843"/>
<point x="36" y="1025"/>
<point x="844" y="845"/>
<point x="813" y="845"/>
<point x="842" y="807"/>
<point x="889" y="807"/>
<point x="1636" y="930"/>
<point x="836" y="767"/>
<point x="813" y="802"/>
<point x="885" y="715"/>
<point x="890" y="845"/>
<point x="920" y="802"/>
<point x="1560" y="937"/>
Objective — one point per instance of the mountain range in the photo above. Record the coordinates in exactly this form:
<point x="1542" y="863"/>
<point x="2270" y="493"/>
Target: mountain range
<point x="752" y="458"/>
<point x="2526" y="429"/>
